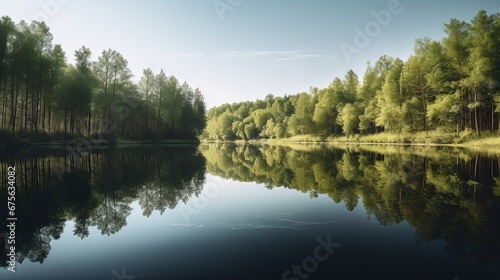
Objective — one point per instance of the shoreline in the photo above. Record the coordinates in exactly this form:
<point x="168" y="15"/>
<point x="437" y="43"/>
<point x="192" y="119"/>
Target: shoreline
<point x="487" y="141"/>
<point x="15" y="145"/>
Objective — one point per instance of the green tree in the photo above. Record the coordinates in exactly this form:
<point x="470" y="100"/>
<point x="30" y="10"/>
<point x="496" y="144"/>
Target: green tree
<point x="390" y="100"/>
<point x="146" y="87"/>
<point x="484" y="68"/>
<point x="324" y="112"/>
<point x="224" y="126"/>
<point x="348" y="119"/>
<point x="83" y="65"/>
<point x="74" y="98"/>
<point x="301" y="122"/>
<point x="160" y="84"/>
<point x="415" y="78"/>
<point x="113" y="75"/>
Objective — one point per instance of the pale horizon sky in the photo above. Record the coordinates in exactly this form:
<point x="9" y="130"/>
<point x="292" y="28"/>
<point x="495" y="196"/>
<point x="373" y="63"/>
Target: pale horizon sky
<point x="238" y="50"/>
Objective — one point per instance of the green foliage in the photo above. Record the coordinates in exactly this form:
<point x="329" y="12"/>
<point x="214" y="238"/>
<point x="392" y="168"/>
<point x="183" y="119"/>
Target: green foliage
<point x="279" y="130"/>
<point x="301" y="122"/>
<point x="325" y="112"/>
<point x="44" y="95"/>
<point x="443" y="112"/>
<point x="224" y="126"/>
<point x="447" y="86"/>
<point x="348" y="119"/>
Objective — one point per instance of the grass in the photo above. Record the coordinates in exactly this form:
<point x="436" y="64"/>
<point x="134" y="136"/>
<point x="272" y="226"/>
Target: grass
<point x="305" y="138"/>
<point x="433" y="137"/>
<point x="465" y="138"/>
<point x="485" y="141"/>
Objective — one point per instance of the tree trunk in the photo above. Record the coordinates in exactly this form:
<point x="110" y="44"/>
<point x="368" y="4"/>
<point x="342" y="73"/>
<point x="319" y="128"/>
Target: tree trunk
<point x="89" y="116"/>
<point x="499" y="125"/>
<point x="476" y="121"/>
<point x="424" y="105"/>
<point x="4" y="105"/>
<point x="65" y="120"/>
<point x="12" y="104"/>
<point x="492" y="114"/>
<point x="26" y="100"/>
<point x="146" y="110"/>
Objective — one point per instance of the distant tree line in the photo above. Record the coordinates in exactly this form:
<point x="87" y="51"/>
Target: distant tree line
<point x="43" y="95"/>
<point x="450" y="85"/>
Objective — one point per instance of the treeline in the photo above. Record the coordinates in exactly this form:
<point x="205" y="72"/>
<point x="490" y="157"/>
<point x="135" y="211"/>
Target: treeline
<point x="44" y="96"/>
<point x="450" y="85"/>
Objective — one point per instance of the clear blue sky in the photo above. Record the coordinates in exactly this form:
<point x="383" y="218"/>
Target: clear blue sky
<point x="236" y="50"/>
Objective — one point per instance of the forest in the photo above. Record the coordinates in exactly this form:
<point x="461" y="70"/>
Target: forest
<point x="43" y="97"/>
<point x="448" y="86"/>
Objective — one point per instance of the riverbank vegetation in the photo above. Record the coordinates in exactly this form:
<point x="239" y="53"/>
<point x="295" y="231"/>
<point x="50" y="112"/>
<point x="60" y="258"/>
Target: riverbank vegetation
<point x="447" y="91"/>
<point x="45" y="99"/>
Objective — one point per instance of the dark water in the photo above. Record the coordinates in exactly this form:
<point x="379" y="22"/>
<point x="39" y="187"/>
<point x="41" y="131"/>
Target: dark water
<point x="254" y="212"/>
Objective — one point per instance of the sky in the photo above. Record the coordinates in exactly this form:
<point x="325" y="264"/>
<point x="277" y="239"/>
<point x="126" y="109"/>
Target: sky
<point x="238" y="50"/>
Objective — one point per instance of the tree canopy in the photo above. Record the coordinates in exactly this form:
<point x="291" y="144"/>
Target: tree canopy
<point x="45" y="97"/>
<point x="449" y="85"/>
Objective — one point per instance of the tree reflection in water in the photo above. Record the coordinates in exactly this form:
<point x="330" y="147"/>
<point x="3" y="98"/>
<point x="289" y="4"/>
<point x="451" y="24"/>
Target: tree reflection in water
<point x="444" y="193"/>
<point x="448" y="194"/>
<point x="96" y="191"/>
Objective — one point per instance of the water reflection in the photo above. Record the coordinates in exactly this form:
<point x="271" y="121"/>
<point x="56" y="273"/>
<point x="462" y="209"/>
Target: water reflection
<point x="95" y="191"/>
<point x="443" y="193"/>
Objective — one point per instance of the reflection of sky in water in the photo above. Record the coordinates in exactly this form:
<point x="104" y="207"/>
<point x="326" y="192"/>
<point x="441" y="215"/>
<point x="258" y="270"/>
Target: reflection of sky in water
<point x="244" y="232"/>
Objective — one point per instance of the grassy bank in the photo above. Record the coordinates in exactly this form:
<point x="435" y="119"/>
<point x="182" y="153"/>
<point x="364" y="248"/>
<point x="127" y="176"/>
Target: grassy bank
<point x="465" y="138"/>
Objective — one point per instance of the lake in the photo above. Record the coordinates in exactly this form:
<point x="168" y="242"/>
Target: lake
<point x="239" y="211"/>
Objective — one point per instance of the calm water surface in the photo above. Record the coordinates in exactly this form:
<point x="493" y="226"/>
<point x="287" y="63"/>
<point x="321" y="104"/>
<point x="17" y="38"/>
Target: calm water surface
<point x="223" y="211"/>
